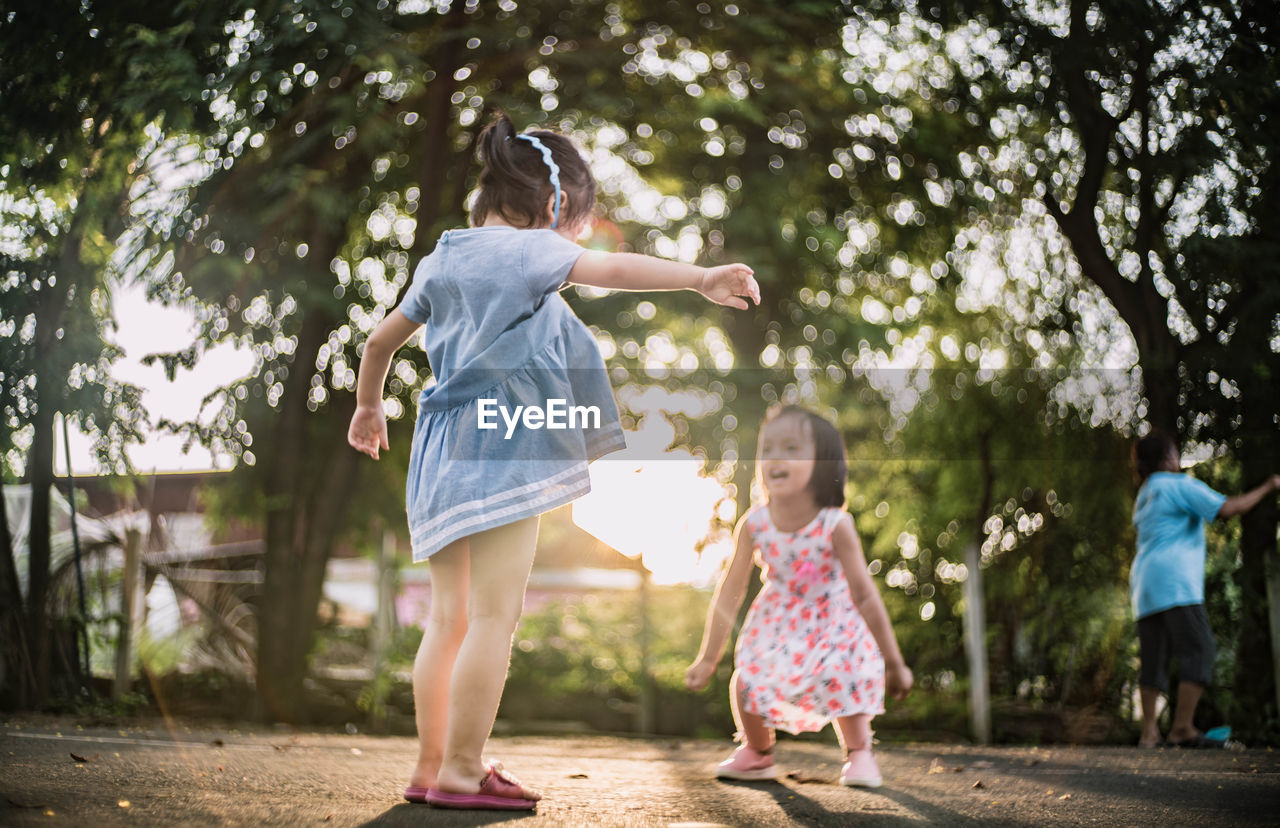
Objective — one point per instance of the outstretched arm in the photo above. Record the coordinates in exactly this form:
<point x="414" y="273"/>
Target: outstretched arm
<point x="368" y="430"/>
<point x="1241" y="503"/>
<point x="897" y="676"/>
<point x="724" y="284"/>
<point x="724" y="607"/>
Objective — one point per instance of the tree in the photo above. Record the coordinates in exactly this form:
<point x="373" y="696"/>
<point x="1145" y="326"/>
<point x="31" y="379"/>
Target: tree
<point x="341" y="151"/>
<point x="66" y="165"/>
<point x="1142" y="131"/>
<point x="282" y="188"/>
<point x="1019" y="492"/>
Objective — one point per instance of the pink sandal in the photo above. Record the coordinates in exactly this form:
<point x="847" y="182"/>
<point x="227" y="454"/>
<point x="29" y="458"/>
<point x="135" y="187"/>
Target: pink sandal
<point x="416" y="795"/>
<point x="498" y="791"/>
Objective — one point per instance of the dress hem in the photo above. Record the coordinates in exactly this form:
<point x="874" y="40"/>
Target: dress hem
<point x="557" y="495"/>
<point x="796" y="731"/>
<point x="550" y="492"/>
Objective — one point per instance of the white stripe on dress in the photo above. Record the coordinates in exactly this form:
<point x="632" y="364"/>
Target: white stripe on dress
<point x="423" y="548"/>
<point x="472" y="505"/>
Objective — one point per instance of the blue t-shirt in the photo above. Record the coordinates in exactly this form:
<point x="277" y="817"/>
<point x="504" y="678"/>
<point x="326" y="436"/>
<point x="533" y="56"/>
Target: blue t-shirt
<point x="481" y="289"/>
<point x="1170" y="513"/>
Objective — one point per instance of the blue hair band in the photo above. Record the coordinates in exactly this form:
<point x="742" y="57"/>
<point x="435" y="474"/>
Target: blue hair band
<point x="555" y="171"/>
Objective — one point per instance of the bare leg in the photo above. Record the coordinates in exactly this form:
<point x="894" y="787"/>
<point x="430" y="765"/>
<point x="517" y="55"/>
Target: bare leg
<point x="1150" y="718"/>
<point x="500" y="562"/>
<point x="854" y="732"/>
<point x="1183" y="727"/>
<point x="860" y="768"/>
<point x="433" y="665"/>
<point x="758" y="735"/>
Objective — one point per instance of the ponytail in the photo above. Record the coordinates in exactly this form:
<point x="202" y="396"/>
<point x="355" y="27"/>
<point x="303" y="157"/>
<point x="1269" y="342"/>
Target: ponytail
<point x="495" y="146"/>
<point x="515" y="180"/>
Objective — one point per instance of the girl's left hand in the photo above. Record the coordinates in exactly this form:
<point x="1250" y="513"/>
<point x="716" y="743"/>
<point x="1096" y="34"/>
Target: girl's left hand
<point x="898" y="680"/>
<point x="698" y="676"/>
<point x="727" y="284"/>
<point x="368" y="430"/>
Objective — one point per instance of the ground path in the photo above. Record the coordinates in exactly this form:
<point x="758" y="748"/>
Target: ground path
<point x="201" y="775"/>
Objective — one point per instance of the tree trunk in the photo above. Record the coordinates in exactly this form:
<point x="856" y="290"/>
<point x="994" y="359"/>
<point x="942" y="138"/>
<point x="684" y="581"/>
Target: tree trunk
<point x="16" y="656"/>
<point x="281" y="652"/>
<point x="40" y="476"/>
<point x="1139" y="304"/>
<point x="1255" y="688"/>
<point x="435" y="151"/>
<point x="306" y="499"/>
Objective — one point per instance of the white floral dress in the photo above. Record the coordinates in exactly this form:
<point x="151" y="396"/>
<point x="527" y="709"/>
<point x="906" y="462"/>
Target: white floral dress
<point x="805" y="655"/>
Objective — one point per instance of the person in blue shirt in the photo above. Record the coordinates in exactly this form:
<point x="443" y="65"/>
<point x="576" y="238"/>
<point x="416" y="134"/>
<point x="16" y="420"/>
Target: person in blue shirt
<point x="521" y="403"/>
<point x="1166" y="583"/>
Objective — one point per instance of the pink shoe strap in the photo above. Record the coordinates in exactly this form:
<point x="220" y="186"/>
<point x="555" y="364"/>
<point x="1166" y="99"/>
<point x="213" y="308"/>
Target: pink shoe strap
<point x="500" y="783"/>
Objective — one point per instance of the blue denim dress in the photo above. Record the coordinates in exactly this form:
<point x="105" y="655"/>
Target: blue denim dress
<point x="520" y="401"/>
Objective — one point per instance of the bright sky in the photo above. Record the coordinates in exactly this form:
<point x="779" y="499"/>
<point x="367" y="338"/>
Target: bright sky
<point x="148" y="328"/>
<point x="656" y="506"/>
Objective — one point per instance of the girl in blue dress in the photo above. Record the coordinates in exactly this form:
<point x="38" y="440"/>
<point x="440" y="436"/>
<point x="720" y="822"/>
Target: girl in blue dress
<point x="520" y="405"/>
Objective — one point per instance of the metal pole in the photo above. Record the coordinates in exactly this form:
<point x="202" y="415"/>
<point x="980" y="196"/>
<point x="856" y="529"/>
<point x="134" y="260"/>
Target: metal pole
<point x="82" y="640"/>
<point x="130" y="612"/>
<point x="383" y="627"/>
<point x="975" y="644"/>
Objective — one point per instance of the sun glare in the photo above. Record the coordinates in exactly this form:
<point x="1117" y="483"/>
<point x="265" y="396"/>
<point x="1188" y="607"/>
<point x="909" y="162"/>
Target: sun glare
<point x="654" y="504"/>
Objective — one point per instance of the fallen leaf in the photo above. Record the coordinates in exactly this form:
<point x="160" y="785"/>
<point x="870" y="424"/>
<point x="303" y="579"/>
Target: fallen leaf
<point x="804" y="779"/>
<point x="80" y="758"/>
<point x="936" y="766"/>
<point x="282" y="747"/>
<point x="355" y="751"/>
<point x="578" y="775"/>
<point x="979" y="784"/>
<point x="217" y="743"/>
<point x="124" y="803"/>
<point x="1065" y="796"/>
<point x="958" y="768"/>
<point x="329" y="818"/>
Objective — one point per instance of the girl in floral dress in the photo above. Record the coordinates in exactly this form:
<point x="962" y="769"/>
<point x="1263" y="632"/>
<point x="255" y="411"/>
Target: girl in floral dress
<point x="817" y="645"/>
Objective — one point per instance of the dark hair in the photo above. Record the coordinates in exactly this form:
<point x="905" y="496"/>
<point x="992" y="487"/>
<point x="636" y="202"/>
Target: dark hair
<point x="830" y="464"/>
<point x="1149" y="453"/>
<point x="515" y="181"/>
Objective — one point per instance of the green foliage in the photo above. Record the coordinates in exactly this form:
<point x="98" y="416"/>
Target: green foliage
<point x="902" y="179"/>
<point x="65" y="169"/>
<point x="1053" y="536"/>
<point x="162" y="656"/>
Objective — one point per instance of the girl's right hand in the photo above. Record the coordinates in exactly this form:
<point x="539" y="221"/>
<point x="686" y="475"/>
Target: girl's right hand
<point x="698" y="676"/>
<point x="368" y="430"/>
<point x="727" y="284"/>
<point x="898" y="680"/>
